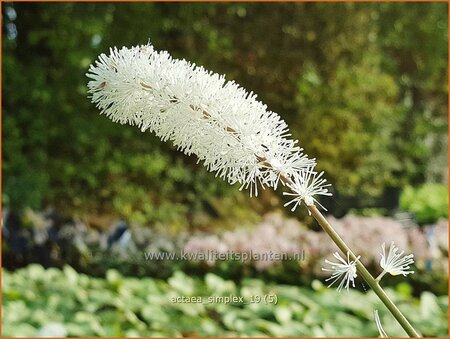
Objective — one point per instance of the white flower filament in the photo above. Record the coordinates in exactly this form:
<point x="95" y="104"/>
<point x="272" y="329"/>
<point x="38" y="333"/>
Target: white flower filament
<point x="343" y="271"/>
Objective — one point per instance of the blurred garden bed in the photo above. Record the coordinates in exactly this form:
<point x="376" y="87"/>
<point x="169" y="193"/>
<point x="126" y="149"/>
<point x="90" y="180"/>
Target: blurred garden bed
<point x="54" y="241"/>
<point x="39" y="302"/>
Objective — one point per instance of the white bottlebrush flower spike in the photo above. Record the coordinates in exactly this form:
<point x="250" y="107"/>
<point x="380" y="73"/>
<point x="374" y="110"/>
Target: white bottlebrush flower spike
<point x="379" y="327"/>
<point x="343" y="271"/>
<point x="225" y="126"/>
<point x="305" y="186"/>
<point x="395" y="263"/>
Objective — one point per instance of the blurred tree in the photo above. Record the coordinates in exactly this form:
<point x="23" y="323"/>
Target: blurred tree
<point x="342" y="82"/>
<point x="415" y="51"/>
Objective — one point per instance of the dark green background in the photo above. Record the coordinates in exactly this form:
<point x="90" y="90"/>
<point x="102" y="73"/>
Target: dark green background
<point x="363" y="86"/>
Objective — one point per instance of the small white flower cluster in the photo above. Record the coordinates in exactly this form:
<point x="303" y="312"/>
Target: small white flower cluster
<point x="345" y="270"/>
<point x="305" y="186"/>
<point x="395" y="263"/>
<point x="203" y="114"/>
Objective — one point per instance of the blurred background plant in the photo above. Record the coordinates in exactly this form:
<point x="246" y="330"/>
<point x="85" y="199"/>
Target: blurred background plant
<point x="427" y="203"/>
<point x="362" y="85"/>
<point x="119" y="306"/>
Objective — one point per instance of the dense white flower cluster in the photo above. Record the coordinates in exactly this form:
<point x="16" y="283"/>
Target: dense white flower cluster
<point x="203" y="114"/>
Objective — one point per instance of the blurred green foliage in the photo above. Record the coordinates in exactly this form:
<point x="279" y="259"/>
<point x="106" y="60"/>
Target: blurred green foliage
<point x="119" y="306"/>
<point x="363" y="86"/>
<point x="428" y="203"/>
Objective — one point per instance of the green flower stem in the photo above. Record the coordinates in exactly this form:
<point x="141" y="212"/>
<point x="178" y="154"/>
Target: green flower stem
<point x="381" y="275"/>
<point x="373" y="283"/>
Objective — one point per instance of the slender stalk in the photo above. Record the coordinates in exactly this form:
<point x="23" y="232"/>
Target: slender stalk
<point x="381" y="275"/>
<point x="373" y="283"/>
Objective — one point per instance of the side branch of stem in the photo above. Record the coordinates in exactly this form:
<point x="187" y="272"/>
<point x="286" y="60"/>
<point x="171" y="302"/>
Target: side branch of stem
<point x="373" y="283"/>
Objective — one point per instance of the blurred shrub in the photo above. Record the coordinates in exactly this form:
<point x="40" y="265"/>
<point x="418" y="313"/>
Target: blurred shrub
<point x="330" y="103"/>
<point x="356" y="88"/>
<point x="59" y="152"/>
<point x="363" y="234"/>
<point x="54" y="241"/>
<point x="118" y="306"/>
<point x="368" y="212"/>
<point x="428" y="202"/>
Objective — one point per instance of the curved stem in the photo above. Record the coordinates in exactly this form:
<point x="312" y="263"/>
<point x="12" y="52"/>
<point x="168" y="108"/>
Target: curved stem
<point x="373" y="283"/>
